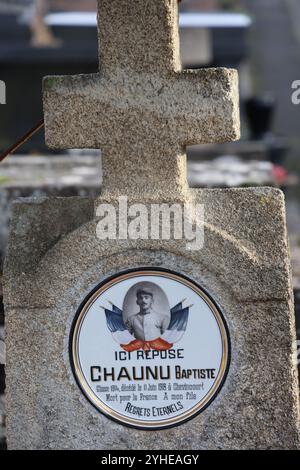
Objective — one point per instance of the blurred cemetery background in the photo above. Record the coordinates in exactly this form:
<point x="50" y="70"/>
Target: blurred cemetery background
<point x="261" y="38"/>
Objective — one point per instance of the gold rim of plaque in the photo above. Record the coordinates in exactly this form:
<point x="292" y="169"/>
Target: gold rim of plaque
<point x="103" y="407"/>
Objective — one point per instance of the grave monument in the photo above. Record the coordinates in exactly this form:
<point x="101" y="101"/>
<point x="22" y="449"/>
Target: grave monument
<point x="110" y="338"/>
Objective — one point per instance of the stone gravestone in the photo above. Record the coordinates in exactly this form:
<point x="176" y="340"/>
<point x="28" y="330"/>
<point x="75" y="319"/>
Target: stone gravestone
<point x="110" y="339"/>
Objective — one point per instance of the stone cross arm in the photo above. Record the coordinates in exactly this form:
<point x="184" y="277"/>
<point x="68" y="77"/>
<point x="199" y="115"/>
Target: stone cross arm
<point x="140" y="112"/>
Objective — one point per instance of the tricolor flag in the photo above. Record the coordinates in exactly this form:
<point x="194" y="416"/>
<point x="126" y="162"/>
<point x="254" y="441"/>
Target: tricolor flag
<point x="115" y="324"/>
<point x="173" y="334"/>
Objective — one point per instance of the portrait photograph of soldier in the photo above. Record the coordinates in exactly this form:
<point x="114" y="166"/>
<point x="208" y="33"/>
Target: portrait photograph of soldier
<point x="146" y="311"/>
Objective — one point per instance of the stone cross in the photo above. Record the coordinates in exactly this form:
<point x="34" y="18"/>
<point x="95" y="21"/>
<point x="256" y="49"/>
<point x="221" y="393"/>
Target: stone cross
<point x="141" y="109"/>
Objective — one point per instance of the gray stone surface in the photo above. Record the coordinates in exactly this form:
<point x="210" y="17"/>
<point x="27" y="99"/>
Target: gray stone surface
<point x="79" y="174"/>
<point x="151" y="112"/>
<point x="141" y="109"/>
<point x="243" y="265"/>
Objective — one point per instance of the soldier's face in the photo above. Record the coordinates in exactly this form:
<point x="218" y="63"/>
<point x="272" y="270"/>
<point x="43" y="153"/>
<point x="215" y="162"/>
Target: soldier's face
<point x="144" y="301"/>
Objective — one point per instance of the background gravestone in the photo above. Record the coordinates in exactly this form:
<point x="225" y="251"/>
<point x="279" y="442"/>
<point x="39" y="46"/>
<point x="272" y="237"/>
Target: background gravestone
<point x="142" y="111"/>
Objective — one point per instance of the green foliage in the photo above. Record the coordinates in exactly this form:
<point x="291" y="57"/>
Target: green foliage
<point x="4" y="179"/>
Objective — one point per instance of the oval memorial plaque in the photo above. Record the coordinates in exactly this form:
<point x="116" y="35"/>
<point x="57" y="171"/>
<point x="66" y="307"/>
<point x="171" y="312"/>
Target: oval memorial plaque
<point x="149" y="348"/>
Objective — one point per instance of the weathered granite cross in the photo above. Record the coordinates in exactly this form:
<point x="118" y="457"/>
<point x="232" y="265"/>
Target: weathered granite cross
<point x="141" y="109"/>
